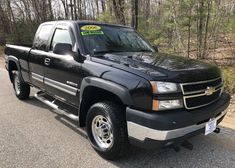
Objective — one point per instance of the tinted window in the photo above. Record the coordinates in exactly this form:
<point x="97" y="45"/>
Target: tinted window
<point x="61" y="36"/>
<point x="42" y="36"/>
<point x="105" y="39"/>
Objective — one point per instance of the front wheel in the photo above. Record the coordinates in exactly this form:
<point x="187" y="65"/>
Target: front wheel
<point x="107" y="131"/>
<point x="22" y="89"/>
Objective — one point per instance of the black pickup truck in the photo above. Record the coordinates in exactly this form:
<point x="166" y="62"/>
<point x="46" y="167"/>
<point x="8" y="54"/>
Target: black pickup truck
<point x="114" y="83"/>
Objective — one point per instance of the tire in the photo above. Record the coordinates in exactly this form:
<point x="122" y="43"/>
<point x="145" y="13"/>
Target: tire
<point x="22" y="89"/>
<point x="114" y="130"/>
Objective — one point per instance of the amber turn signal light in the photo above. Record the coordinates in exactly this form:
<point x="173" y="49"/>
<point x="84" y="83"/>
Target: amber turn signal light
<point x="154" y="86"/>
<point x="155" y="105"/>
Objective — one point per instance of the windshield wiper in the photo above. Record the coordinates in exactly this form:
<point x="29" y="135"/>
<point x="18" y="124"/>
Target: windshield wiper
<point x="143" y="50"/>
<point x="106" y="51"/>
<point x="102" y="52"/>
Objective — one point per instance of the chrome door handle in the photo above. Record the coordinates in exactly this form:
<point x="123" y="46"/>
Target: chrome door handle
<point x="47" y="61"/>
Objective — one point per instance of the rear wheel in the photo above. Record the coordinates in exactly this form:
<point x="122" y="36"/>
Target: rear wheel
<point x="22" y="89"/>
<point x="107" y="131"/>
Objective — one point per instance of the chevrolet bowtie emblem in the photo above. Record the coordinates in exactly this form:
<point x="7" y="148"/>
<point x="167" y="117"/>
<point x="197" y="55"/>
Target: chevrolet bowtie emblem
<point x="209" y="90"/>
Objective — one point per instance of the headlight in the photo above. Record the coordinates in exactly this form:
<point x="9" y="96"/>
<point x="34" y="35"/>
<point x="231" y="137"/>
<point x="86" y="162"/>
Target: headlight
<point x="164" y="87"/>
<point x="166" y="104"/>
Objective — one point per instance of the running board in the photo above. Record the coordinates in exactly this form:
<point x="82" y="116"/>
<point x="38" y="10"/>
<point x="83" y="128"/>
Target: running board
<point x="40" y="97"/>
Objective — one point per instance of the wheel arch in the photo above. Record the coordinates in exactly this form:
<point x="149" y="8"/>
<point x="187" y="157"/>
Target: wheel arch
<point x="103" y="90"/>
<point x="13" y="64"/>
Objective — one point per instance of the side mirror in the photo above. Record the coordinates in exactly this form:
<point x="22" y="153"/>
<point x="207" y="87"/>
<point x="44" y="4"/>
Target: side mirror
<point x="63" y="49"/>
<point x="155" y="47"/>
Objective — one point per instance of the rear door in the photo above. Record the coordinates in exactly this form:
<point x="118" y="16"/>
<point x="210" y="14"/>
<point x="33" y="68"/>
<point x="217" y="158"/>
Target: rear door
<point x="38" y="54"/>
<point x="62" y="73"/>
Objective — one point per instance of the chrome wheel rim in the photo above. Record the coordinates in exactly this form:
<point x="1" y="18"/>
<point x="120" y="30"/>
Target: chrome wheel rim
<point x="102" y="131"/>
<point x="17" y="85"/>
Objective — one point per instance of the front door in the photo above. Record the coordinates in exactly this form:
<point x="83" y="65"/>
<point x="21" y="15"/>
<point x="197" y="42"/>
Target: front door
<point x="62" y="73"/>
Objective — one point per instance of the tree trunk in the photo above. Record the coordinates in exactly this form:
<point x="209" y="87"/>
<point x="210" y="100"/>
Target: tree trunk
<point x="27" y="10"/>
<point x="79" y="7"/>
<point x="64" y="2"/>
<point x="75" y="9"/>
<point x="84" y="10"/>
<point x="93" y="11"/>
<point x="103" y="6"/>
<point x="177" y="29"/>
<point x="134" y="13"/>
<point x="200" y="28"/>
<point x="147" y="14"/>
<point x="118" y="7"/>
<point x="51" y="16"/>
<point x="189" y="31"/>
<point x="97" y="8"/>
<point x="209" y="3"/>
<point x="71" y="9"/>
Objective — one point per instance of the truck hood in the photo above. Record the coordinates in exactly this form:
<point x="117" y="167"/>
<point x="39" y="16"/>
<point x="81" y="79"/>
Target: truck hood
<point x="161" y="66"/>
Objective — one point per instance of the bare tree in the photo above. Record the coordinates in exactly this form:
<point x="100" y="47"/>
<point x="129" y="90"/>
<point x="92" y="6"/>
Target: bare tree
<point x="209" y="4"/>
<point x="134" y="13"/>
<point x="66" y="8"/>
<point x="103" y="6"/>
<point x="118" y="7"/>
<point x="200" y="27"/>
<point x="147" y="13"/>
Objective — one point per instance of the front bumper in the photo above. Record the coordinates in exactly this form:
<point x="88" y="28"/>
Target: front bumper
<point x="168" y="127"/>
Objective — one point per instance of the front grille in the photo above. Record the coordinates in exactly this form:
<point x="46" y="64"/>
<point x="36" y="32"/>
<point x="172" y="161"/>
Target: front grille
<point x="195" y="93"/>
<point x="199" y="101"/>
<point x="201" y="86"/>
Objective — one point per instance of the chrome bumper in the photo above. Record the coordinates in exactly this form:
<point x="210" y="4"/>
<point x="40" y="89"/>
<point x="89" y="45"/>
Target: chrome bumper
<point x="141" y="132"/>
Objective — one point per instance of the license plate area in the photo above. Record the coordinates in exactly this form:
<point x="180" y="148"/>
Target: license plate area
<point x="210" y="126"/>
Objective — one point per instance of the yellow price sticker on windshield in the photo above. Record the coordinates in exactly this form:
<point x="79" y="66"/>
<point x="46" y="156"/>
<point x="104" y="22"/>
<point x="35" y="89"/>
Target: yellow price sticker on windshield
<point x="90" y="27"/>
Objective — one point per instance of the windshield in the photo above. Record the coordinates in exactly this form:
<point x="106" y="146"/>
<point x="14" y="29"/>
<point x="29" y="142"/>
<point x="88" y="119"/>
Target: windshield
<point x="106" y="39"/>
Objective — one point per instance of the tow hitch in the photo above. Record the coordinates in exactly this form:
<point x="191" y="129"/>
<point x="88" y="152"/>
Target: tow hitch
<point x="217" y="130"/>
<point x="187" y="145"/>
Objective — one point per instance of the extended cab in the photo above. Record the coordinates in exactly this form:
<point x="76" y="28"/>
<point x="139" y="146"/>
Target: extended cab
<point x="114" y="83"/>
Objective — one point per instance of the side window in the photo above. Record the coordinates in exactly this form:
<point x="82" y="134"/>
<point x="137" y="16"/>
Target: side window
<point x="61" y="36"/>
<point x="41" y="39"/>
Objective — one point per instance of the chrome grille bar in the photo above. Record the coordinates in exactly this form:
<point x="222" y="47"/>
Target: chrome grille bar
<point x="201" y="93"/>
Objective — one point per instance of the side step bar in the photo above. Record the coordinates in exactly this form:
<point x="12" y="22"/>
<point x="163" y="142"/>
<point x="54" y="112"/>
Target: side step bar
<point x="40" y="97"/>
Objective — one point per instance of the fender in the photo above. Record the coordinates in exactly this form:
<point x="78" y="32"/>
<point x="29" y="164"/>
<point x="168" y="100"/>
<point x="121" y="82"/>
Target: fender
<point x="118" y="90"/>
<point x="16" y="61"/>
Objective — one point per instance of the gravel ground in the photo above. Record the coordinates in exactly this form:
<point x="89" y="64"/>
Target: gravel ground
<point x="33" y="135"/>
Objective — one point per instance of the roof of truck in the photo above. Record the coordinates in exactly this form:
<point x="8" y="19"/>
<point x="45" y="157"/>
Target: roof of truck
<point x="87" y="22"/>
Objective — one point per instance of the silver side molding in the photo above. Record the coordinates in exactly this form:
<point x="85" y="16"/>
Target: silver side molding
<point x="55" y="107"/>
<point x="37" y="77"/>
<point x="141" y="132"/>
<point x="63" y="87"/>
<point x="72" y="83"/>
<point x="58" y="85"/>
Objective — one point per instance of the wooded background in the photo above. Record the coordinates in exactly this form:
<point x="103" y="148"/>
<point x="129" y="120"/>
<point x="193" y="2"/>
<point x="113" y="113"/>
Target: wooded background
<point x="189" y="27"/>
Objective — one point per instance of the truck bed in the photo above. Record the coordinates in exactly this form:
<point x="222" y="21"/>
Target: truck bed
<point x="17" y="51"/>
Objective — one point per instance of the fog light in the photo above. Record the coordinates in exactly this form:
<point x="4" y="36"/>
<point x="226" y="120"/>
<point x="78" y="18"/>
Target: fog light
<point x="166" y="104"/>
<point x="170" y="104"/>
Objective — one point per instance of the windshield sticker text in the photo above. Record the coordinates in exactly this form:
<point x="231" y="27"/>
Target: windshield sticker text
<point x="86" y="33"/>
<point x="90" y="27"/>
